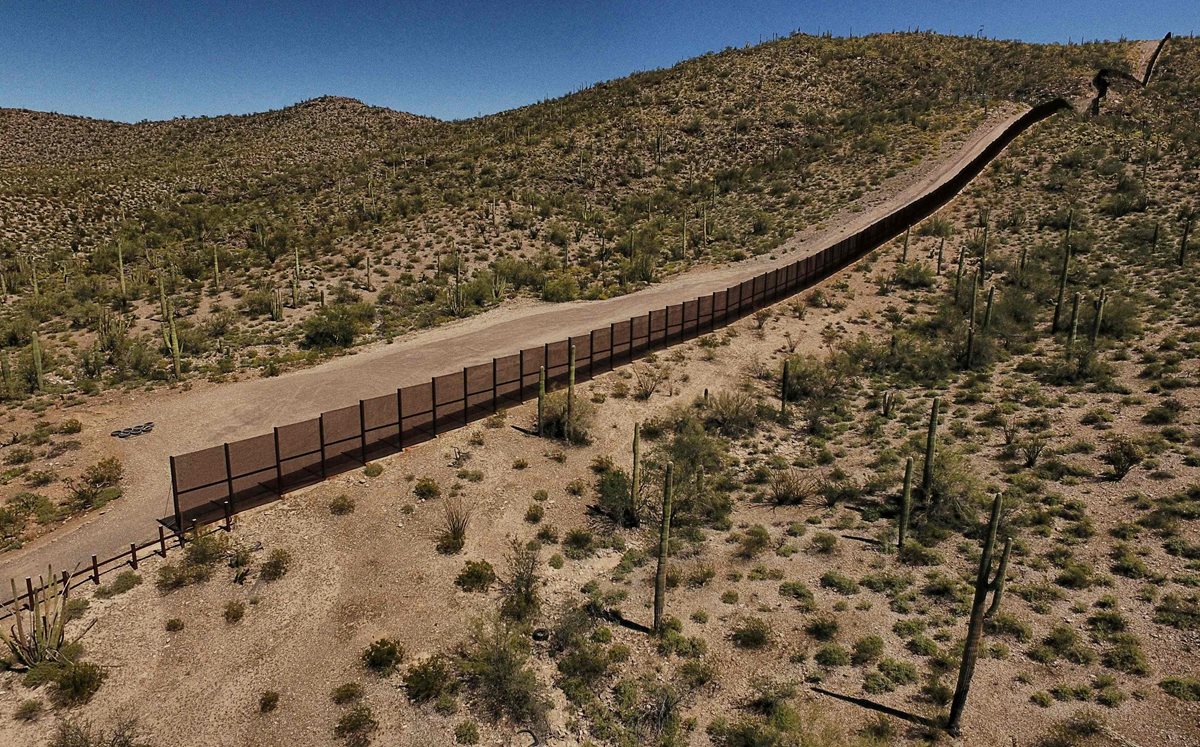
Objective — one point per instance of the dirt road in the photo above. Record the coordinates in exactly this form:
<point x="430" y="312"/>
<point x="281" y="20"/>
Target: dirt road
<point x="210" y="414"/>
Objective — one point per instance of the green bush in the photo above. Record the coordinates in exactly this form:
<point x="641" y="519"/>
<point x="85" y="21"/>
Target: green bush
<point x="276" y="565"/>
<point x="383" y="656"/>
<point x="867" y="649"/>
<point x="752" y="633"/>
<point x="430" y="679"/>
<point x="832" y="655"/>
<point x="1185" y="688"/>
<point x="76" y="682"/>
<point x="268" y="701"/>
<point x="496" y="666"/>
<point x="347" y="692"/>
<point x="476" y="575"/>
<point x="125" y="581"/>
<point x="427" y="489"/>
<point x="341" y="505"/>
<point x="356" y="724"/>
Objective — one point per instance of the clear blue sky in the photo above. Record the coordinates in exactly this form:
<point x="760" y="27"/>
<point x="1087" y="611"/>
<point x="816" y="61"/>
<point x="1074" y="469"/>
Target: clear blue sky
<point x="154" y="60"/>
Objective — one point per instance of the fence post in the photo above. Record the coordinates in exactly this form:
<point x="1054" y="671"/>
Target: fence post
<point x="162" y="541"/>
<point x="95" y="571"/>
<point x="362" y="430"/>
<point x="278" y="465"/>
<point x="321" y="438"/>
<point x="495" y="404"/>
<point x="465" y="397"/>
<point x="228" y="516"/>
<point x="399" y="423"/>
<point x="433" y="403"/>
<point x="175" y="497"/>
<point x="228" y="472"/>
<point x="133" y="559"/>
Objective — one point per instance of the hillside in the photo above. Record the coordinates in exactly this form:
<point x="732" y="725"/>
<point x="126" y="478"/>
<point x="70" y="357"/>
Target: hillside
<point x="251" y="222"/>
<point x="491" y="581"/>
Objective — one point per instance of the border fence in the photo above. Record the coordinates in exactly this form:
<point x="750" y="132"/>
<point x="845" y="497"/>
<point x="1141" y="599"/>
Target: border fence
<point x="211" y="482"/>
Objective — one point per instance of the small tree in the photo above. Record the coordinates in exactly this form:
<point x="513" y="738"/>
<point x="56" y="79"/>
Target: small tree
<point x="1122" y="455"/>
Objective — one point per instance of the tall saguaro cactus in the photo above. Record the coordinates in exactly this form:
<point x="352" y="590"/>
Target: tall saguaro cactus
<point x="1183" y="240"/>
<point x="904" y="255"/>
<point x="1062" y="276"/>
<point x="635" y="476"/>
<point x="1073" y="330"/>
<point x="1097" y="319"/>
<point x="783" y="383"/>
<point x="664" y="540"/>
<point x="975" y="627"/>
<point x="35" y="345"/>
<point x="930" y="449"/>
<point x="905" y="505"/>
<point x="970" y="362"/>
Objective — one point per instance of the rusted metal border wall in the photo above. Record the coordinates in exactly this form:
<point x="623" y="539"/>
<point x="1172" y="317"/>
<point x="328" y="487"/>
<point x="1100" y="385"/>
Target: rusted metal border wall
<point x="236" y="476"/>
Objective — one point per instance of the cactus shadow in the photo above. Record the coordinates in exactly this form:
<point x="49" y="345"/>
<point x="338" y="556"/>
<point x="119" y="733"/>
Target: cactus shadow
<point x="881" y="708"/>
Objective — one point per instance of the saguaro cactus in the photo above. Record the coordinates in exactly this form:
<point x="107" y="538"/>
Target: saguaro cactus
<point x="971" y="325"/>
<point x="1001" y="577"/>
<point x="35" y="345"/>
<point x="904" y="254"/>
<point x="962" y="264"/>
<point x="1021" y="266"/>
<point x="1097" y="319"/>
<point x="987" y="312"/>
<point x="975" y="626"/>
<point x="664" y="540"/>
<point x="6" y="377"/>
<point x="176" y="362"/>
<point x="905" y="504"/>
<point x="783" y="382"/>
<point x="635" y="475"/>
<point x="1074" y="328"/>
<point x="121" y="269"/>
<point x="1183" y="240"/>
<point x="941" y="252"/>
<point x="983" y="252"/>
<point x="930" y="449"/>
<point x="1062" y="276"/>
<point x="541" y="407"/>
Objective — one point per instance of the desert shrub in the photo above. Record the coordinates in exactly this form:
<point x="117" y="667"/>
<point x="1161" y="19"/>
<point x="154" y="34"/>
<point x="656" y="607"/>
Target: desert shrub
<point x="276" y="565"/>
<point x="466" y="732"/>
<point x="1008" y="624"/>
<point x="76" y="682"/>
<point x="268" y="701"/>
<point x="477" y="575"/>
<point x="356" y="724"/>
<point x="495" y="664"/>
<point x="914" y="275"/>
<point x="554" y="418"/>
<point x="1124" y="654"/>
<point x="426" y="488"/>
<point x="534" y="513"/>
<point x="347" y="692"/>
<point x="613" y="497"/>
<point x="1185" y="688"/>
<point x="824" y="543"/>
<point x="1063" y="642"/>
<point x="83" y="734"/>
<point x="1072" y="732"/>
<point x="430" y="679"/>
<point x="520" y="586"/>
<point x="791" y="487"/>
<point x="98" y="484"/>
<point x="455" y="521"/>
<point x="341" y="505"/>
<point x="832" y="655"/>
<point x="754" y="541"/>
<point x="579" y="543"/>
<point x="752" y="632"/>
<point x="823" y="628"/>
<point x="801" y="594"/>
<point x="867" y="649"/>
<point x="374" y="469"/>
<point x="838" y="582"/>
<point x="1122" y="454"/>
<point x="125" y="581"/>
<point x="383" y="656"/>
<point x="335" y="326"/>
<point x="234" y="611"/>
<point x="174" y="625"/>
<point x="731" y="413"/>
<point x="1178" y="611"/>
<point x="200" y="554"/>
